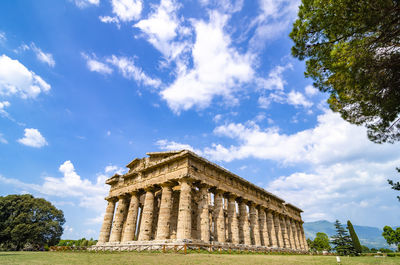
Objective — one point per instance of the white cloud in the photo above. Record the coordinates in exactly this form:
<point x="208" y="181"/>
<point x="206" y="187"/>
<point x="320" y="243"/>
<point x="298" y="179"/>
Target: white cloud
<point x="331" y="140"/>
<point x="127" y="10"/>
<point x="174" y="146"/>
<point x="275" y="80"/>
<point x="16" y="79"/>
<point x="275" y="17"/>
<point x="297" y="99"/>
<point x="3" y="105"/>
<point x="108" y="19"/>
<point x="310" y="90"/>
<point x="33" y="138"/>
<point x="348" y="190"/>
<point x="2" y="139"/>
<point x="86" y="3"/>
<point x="90" y="194"/>
<point x="219" y="70"/>
<point x="42" y="56"/>
<point x="96" y="66"/>
<point x="161" y="27"/>
<point x="129" y="70"/>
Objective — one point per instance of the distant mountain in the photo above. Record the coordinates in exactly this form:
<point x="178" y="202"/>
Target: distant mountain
<point x="369" y="236"/>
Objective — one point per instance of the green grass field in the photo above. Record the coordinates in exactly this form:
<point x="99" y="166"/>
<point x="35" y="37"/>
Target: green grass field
<point x="31" y="258"/>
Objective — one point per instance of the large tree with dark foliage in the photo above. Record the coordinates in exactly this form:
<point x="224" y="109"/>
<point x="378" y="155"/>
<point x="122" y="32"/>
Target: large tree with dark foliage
<point x="352" y="51"/>
<point x="342" y="240"/>
<point x="392" y="236"/>
<point x="354" y="238"/>
<point x="28" y="221"/>
<point x="395" y="185"/>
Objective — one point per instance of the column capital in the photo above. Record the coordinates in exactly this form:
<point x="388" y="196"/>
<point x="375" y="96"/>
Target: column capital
<point x="187" y="179"/>
<point x="134" y="192"/>
<point x="218" y="191"/>
<point x="232" y="196"/>
<point x="122" y="195"/>
<point x="150" y="188"/>
<point x="203" y="185"/>
<point x="111" y="198"/>
<point x="167" y="184"/>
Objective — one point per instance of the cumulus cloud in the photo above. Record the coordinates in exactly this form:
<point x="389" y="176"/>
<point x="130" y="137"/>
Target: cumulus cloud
<point x="96" y="66"/>
<point x="33" y="138"/>
<point x="129" y="70"/>
<point x="310" y="90"/>
<point x="16" y="79"/>
<point x="89" y="193"/>
<point x="42" y="56"/>
<point x="3" y="105"/>
<point x="298" y="99"/>
<point x="127" y="10"/>
<point x="174" y="146"/>
<point x="219" y="69"/>
<point x="110" y="20"/>
<point x="86" y="3"/>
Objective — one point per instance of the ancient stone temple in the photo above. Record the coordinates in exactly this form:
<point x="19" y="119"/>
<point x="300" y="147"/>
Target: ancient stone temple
<point x="179" y="197"/>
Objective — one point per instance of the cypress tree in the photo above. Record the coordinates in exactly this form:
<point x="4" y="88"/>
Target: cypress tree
<point x="354" y="237"/>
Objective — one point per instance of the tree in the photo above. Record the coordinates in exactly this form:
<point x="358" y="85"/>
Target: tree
<point x="342" y="240"/>
<point x="365" y="249"/>
<point x="395" y="185"/>
<point x="25" y="220"/>
<point x="392" y="236"/>
<point x="352" y="51"/>
<point x="321" y="242"/>
<point x="354" y="238"/>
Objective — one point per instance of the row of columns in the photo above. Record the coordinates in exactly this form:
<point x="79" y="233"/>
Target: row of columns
<point x="258" y="226"/>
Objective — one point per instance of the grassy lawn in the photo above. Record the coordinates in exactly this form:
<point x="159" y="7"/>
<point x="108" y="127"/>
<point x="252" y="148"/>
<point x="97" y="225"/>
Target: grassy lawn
<point x="31" y="258"/>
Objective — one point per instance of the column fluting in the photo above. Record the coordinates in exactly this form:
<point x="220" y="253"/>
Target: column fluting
<point x="271" y="230"/>
<point x="233" y="223"/>
<point x="184" y="230"/>
<point x="203" y="223"/>
<point x="254" y="225"/>
<point x="163" y="225"/>
<point x="131" y="218"/>
<point x="286" y="243"/>
<point x="263" y="227"/>
<point x="119" y="219"/>
<point x="147" y="215"/>
<point x="244" y="223"/>
<point x="278" y="231"/>
<point x="219" y="216"/>
<point x="108" y="220"/>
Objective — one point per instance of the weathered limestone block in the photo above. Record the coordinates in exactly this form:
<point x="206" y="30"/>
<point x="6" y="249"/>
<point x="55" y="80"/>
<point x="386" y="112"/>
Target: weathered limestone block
<point x="108" y="219"/>
<point x="254" y="225"/>
<point x="233" y="224"/>
<point x="219" y="217"/>
<point x="120" y="216"/>
<point x="300" y="241"/>
<point x="147" y="216"/>
<point x="244" y="224"/>
<point x="286" y="243"/>
<point x="278" y="231"/>
<point x="271" y="230"/>
<point x="164" y="217"/>
<point x="131" y="218"/>
<point x="289" y="232"/>
<point x="203" y="224"/>
<point x="263" y="227"/>
<point x="185" y="212"/>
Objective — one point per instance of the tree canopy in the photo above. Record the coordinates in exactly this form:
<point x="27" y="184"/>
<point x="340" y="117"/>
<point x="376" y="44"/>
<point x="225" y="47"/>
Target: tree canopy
<point x="392" y="236"/>
<point x="25" y="220"/>
<point x="352" y="51"/>
<point x="320" y="242"/>
<point x="342" y="240"/>
<point x="395" y="185"/>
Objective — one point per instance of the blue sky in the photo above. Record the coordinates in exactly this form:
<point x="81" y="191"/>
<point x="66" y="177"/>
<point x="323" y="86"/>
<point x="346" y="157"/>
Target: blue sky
<point x="88" y="85"/>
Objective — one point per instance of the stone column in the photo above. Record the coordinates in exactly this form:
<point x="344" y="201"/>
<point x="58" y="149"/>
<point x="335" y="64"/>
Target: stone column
<point x="254" y="225"/>
<point x="219" y="217"/>
<point x="203" y="223"/>
<point x="301" y="244"/>
<point x="286" y="243"/>
<point x="108" y="219"/>
<point x="120" y="216"/>
<point x="244" y="224"/>
<point x="295" y="238"/>
<point x="263" y="227"/>
<point x="271" y="230"/>
<point x="131" y="218"/>
<point x="164" y="217"/>
<point x="289" y="232"/>
<point x="184" y="230"/>
<point x="233" y="224"/>
<point x="278" y="231"/>
<point x="303" y="237"/>
<point x="147" y="215"/>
